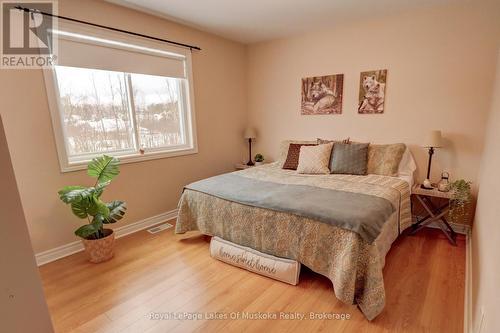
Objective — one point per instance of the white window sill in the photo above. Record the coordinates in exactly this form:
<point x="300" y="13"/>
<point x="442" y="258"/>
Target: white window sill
<point x="125" y="159"/>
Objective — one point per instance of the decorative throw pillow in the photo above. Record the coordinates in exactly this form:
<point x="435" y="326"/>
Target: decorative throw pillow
<point x="349" y="158"/>
<point x="384" y="159"/>
<point x="292" y="159"/>
<point x="323" y="141"/>
<point x="315" y="160"/>
<point x="285" y="146"/>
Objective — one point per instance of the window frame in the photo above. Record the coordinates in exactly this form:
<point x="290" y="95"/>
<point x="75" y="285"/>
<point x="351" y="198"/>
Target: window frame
<point x="147" y="47"/>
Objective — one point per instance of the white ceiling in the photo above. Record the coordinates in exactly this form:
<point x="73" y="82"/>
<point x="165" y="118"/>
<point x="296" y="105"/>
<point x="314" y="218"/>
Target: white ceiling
<point x="250" y="21"/>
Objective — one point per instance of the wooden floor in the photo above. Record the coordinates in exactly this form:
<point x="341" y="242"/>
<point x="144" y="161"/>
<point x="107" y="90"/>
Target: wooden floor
<point x="162" y="273"/>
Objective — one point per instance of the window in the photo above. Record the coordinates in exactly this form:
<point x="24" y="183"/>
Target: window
<point x="119" y="99"/>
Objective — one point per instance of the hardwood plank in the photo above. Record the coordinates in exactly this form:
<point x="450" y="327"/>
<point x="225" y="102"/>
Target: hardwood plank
<point x="165" y="273"/>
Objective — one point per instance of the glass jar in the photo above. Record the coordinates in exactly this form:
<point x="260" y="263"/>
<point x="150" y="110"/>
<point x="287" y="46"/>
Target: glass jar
<point x="444" y="183"/>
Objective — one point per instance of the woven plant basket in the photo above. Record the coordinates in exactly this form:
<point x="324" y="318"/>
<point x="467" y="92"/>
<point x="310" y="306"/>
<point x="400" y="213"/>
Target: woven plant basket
<point x="99" y="250"/>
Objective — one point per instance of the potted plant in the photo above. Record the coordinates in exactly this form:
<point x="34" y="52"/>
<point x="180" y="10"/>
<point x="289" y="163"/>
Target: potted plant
<point x="86" y="203"/>
<point x="259" y="159"/>
<point x="460" y="199"/>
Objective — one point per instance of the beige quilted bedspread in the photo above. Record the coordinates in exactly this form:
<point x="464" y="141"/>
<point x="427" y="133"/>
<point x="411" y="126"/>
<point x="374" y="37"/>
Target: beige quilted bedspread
<point x="353" y="265"/>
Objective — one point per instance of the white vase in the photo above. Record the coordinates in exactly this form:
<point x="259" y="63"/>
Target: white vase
<point x="258" y="163"/>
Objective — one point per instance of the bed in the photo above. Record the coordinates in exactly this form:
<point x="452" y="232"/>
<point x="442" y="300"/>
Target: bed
<point x="351" y="258"/>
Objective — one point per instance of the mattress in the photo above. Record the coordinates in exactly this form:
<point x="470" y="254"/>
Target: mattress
<point x="352" y="264"/>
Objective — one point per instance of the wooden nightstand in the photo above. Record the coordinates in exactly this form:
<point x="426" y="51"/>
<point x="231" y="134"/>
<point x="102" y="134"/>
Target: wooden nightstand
<point x="434" y="213"/>
<point x="241" y="166"/>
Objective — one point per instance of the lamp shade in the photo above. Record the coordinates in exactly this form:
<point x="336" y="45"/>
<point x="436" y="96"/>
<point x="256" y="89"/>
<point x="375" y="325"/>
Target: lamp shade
<point x="433" y="139"/>
<point x="250" y="133"/>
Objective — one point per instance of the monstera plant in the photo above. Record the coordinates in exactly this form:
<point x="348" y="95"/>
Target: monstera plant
<point x="86" y="203"/>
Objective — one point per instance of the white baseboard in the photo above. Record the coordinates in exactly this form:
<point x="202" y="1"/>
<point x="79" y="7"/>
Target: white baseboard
<point x="77" y="246"/>
<point x="468" y="285"/>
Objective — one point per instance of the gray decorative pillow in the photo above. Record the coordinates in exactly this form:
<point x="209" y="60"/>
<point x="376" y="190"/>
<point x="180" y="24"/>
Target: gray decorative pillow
<point x="349" y="158"/>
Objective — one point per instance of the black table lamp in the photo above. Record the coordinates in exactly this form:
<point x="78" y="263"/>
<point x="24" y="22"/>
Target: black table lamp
<point x="433" y="140"/>
<point x="250" y="134"/>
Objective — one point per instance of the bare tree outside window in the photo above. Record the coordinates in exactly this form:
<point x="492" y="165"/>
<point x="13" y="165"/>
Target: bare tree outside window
<point x="120" y="113"/>
<point x="94" y="110"/>
<point x="157" y="110"/>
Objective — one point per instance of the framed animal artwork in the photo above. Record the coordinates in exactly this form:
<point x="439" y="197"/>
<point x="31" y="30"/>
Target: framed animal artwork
<point x="372" y="91"/>
<point x="322" y="94"/>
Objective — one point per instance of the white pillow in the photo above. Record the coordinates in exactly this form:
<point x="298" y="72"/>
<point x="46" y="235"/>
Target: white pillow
<point x="407" y="167"/>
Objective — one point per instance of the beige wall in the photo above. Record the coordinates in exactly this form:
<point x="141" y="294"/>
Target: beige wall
<point x="440" y="71"/>
<point x="21" y="294"/>
<point x="150" y="187"/>
<point x="440" y="75"/>
<point x="486" y="232"/>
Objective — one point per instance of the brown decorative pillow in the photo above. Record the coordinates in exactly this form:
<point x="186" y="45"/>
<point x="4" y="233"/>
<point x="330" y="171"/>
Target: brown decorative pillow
<point x="323" y="141"/>
<point x="285" y="145"/>
<point x="315" y="160"/>
<point x="384" y="159"/>
<point x="292" y="159"/>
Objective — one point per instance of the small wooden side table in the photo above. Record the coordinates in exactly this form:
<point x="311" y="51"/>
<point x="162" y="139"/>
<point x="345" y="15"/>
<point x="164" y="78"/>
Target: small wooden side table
<point x="434" y="213"/>
<point x="241" y="166"/>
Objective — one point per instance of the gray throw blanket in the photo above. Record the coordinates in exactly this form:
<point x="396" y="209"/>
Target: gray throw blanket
<point x="361" y="213"/>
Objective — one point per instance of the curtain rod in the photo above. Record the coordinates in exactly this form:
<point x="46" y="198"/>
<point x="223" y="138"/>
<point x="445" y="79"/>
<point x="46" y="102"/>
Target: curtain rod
<point x="31" y="10"/>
